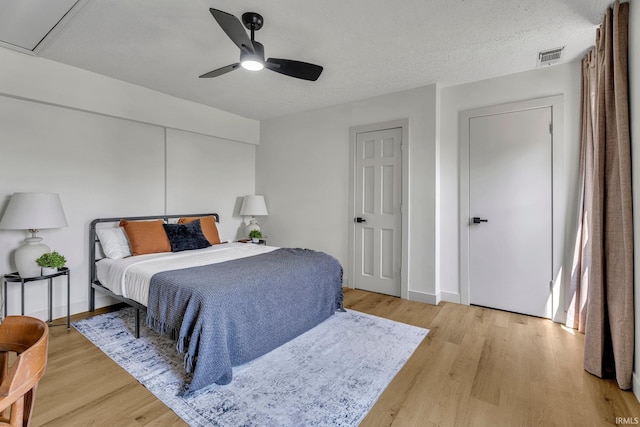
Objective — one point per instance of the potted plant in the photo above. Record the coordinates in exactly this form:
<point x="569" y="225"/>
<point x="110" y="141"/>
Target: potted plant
<point x="51" y="262"/>
<point x="255" y="235"/>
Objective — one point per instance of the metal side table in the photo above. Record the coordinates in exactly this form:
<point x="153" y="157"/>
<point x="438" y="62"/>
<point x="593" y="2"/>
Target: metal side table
<point x="15" y="277"/>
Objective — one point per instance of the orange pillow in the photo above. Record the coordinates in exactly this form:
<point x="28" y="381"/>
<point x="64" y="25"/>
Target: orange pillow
<point x="146" y="237"/>
<point x="208" y="225"/>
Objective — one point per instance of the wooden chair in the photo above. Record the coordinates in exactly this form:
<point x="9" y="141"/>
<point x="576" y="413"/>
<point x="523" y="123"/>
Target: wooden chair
<point x="28" y="338"/>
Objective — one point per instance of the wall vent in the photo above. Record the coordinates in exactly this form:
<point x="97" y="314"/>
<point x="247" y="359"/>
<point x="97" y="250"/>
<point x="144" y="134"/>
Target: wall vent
<point x="550" y="57"/>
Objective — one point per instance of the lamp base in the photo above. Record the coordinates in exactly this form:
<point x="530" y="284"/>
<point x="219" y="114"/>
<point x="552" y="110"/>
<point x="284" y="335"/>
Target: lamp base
<point x="253" y="225"/>
<point x="26" y="255"/>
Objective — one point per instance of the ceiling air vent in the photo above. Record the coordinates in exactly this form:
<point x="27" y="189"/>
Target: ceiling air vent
<point x="550" y="57"/>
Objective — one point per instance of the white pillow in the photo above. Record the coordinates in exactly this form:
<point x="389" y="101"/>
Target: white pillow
<point x="114" y="242"/>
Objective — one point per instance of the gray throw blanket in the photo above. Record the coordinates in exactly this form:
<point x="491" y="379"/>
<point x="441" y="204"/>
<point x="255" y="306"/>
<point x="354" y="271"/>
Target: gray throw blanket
<point x="226" y="314"/>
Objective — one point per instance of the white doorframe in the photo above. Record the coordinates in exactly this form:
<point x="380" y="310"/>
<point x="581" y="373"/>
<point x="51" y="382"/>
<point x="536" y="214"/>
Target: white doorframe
<point x="404" y="272"/>
<point x="558" y="188"/>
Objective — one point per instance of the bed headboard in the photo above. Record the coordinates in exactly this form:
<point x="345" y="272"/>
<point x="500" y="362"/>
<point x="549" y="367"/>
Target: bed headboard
<point x="94" y="242"/>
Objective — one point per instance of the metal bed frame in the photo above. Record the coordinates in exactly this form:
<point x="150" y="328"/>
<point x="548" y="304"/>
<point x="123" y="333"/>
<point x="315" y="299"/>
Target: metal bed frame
<point x="94" y="283"/>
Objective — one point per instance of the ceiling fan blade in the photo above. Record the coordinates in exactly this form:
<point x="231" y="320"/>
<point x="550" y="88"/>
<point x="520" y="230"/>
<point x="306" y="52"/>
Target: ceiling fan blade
<point x="220" y="71"/>
<point x="298" y="69"/>
<point x="233" y="28"/>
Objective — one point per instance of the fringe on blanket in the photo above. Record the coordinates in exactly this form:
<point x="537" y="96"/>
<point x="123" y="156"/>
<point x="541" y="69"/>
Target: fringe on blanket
<point x="162" y="328"/>
<point x="173" y="334"/>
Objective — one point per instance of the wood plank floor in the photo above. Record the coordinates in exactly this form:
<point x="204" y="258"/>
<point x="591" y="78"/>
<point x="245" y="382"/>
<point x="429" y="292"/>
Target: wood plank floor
<point x="477" y="367"/>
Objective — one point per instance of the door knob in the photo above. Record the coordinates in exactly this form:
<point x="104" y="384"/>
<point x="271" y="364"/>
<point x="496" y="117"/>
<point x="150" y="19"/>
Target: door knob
<point x="359" y="220"/>
<point x="478" y="220"/>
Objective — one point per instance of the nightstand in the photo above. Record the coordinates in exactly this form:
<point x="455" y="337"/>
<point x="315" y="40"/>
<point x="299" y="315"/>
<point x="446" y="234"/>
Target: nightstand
<point x="15" y="277"/>
<point x="260" y="242"/>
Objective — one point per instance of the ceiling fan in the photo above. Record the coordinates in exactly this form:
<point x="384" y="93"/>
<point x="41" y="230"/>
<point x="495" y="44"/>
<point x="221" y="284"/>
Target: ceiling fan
<point x="252" y="52"/>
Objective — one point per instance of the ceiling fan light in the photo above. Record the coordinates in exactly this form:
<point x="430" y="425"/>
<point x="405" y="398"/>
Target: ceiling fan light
<point x="252" y="65"/>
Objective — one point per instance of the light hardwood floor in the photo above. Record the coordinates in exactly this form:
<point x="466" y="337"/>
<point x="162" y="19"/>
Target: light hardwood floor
<point x="477" y="367"/>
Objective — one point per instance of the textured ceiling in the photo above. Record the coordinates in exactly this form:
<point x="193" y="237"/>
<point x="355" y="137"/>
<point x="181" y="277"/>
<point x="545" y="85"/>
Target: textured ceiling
<point x="367" y="47"/>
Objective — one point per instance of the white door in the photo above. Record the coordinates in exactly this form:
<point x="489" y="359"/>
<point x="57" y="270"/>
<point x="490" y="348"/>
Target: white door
<point x="510" y="206"/>
<point x="378" y="221"/>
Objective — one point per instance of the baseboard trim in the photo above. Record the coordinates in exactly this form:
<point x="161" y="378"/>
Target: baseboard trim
<point x="450" y="297"/>
<point x="60" y="312"/>
<point x="423" y="297"/>
<point x="636" y="386"/>
<point x="105" y="301"/>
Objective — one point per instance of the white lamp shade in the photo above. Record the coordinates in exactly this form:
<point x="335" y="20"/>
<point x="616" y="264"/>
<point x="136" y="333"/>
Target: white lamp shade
<point x="33" y="211"/>
<point x="253" y="205"/>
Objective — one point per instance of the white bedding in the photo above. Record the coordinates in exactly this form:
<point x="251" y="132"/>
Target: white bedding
<point x="130" y="277"/>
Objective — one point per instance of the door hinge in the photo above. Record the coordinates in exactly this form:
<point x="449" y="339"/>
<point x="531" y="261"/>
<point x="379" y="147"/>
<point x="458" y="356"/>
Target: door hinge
<point x="550" y="285"/>
<point x="551" y="128"/>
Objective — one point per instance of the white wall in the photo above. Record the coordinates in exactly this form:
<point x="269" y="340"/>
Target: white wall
<point x="40" y="79"/>
<point x="302" y="168"/>
<point x="110" y="149"/>
<point x="205" y="173"/>
<point x="634" y="98"/>
<point x="560" y="79"/>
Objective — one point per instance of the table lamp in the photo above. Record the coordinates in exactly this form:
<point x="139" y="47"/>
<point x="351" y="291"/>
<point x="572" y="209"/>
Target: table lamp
<point x="33" y="212"/>
<point x="253" y="205"/>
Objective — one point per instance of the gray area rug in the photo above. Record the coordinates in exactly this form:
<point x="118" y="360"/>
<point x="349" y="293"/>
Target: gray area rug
<point x="329" y="376"/>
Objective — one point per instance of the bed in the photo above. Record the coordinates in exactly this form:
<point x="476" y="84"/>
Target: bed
<point x="224" y="304"/>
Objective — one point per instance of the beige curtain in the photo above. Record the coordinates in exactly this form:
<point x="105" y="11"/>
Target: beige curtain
<point x="602" y="278"/>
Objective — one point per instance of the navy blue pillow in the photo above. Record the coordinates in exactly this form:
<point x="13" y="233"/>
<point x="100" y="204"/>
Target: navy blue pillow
<point x="185" y="237"/>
